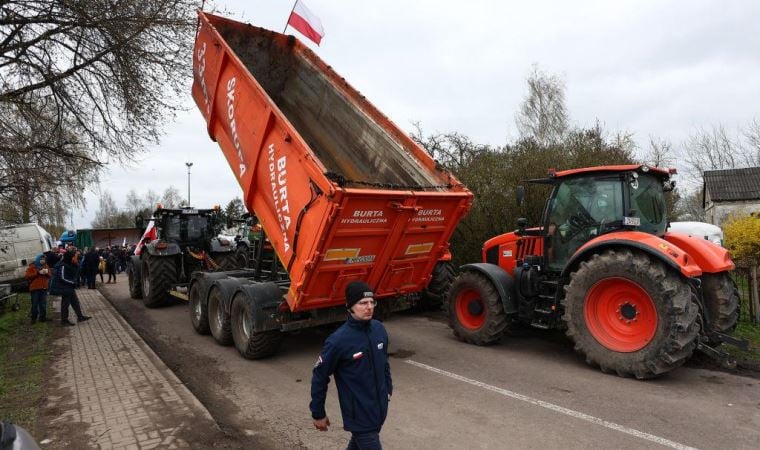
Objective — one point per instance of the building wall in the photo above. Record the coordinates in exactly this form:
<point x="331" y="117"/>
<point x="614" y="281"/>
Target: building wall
<point x="717" y="212"/>
<point x="106" y="238"/>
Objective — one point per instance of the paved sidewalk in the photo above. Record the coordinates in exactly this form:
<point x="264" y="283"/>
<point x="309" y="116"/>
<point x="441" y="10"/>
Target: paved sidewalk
<point x="116" y="390"/>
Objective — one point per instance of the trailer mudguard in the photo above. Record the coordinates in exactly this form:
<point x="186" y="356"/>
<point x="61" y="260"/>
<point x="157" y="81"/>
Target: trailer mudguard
<point x="501" y="280"/>
<point x="709" y="256"/>
<point x="265" y="300"/>
<point x="170" y="249"/>
<point x="668" y="252"/>
<point x="227" y="287"/>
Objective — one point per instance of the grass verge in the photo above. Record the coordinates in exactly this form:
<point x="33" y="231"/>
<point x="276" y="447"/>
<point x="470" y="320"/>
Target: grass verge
<point x="24" y="353"/>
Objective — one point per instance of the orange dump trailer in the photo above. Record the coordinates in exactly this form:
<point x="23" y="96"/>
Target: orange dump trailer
<point x="341" y="192"/>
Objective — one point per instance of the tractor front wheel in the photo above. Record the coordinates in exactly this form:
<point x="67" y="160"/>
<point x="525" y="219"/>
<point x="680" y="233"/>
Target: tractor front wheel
<point x="475" y="311"/>
<point x="629" y="314"/>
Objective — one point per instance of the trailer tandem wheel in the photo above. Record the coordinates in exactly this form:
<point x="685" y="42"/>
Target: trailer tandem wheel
<point x="198" y="299"/>
<point x="219" y="299"/>
<point x="253" y="344"/>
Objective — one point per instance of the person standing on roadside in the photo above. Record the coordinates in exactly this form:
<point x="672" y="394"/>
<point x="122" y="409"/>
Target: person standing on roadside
<point x="38" y="276"/>
<point x="111" y="262"/>
<point x="356" y="355"/>
<point x="64" y="284"/>
<point x="91" y="267"/>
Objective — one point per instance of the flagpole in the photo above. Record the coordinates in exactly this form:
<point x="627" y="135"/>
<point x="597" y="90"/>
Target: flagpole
<point x="291" y="13"/>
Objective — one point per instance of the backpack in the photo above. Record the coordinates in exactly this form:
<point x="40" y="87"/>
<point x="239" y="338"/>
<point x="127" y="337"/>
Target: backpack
<point x="102" y="265"/>
<point x="56" y="281"/>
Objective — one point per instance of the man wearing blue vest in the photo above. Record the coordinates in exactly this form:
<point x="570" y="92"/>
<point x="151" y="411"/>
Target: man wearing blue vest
<point x="356" y="355"/>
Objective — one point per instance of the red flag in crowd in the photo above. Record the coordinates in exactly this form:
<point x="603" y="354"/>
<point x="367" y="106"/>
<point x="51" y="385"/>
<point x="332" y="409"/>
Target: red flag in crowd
<point x="306" y="22"/>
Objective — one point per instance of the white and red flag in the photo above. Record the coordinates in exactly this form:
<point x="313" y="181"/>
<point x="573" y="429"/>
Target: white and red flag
<point x="150" y="234"/>
<point x="306" y="22"/>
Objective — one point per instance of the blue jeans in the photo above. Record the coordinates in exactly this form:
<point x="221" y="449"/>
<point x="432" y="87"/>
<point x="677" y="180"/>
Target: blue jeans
<point x="39" y="304"/>
<point x="365" y="441"/>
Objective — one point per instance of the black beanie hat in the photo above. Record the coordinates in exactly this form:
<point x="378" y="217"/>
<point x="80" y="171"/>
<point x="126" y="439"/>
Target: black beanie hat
<point x="357" y="290"/>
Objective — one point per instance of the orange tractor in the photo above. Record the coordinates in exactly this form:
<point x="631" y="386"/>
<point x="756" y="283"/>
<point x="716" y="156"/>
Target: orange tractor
<point x="636" y="299"/>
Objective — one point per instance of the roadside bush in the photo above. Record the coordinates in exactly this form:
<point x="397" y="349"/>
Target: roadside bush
<point x="742" y="239"/>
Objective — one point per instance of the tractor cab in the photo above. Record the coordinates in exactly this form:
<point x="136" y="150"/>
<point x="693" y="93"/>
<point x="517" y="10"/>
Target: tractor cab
<point x="588" y="203"/>
<point x="584" y="204"/>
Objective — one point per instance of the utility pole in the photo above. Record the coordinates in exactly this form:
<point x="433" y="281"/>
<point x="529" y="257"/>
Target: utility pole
<point x="189" y="165"/>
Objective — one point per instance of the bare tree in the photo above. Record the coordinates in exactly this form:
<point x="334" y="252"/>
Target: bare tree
<point x="543" y="115"/>
<point x="87" y="82"/>
<point x="751" y="145"/>
<point x="172" y="198"/>
<point x="660" y="153"/>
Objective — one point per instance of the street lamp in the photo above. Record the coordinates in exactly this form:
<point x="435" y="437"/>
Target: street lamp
<point x="189" y="165"/>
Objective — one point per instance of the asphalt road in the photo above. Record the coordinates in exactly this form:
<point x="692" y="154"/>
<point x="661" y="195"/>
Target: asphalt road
<point x="529" y="391"/>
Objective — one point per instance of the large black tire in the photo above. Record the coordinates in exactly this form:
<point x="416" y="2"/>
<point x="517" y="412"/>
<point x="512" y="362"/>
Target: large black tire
<point x="219" y="319"/>
<point x="135" y="289"/>
<point x="227" y="261"/>
<point x="198" y="307"/>
<point x="476" y="313"/>
<point x="158" y="273"/>
<point x="242" y="253"/>
<point x="250" y="344"/>
<point x="434" y="295"/>
<point x="721" y="299"/>
<point x="630" y="314"/>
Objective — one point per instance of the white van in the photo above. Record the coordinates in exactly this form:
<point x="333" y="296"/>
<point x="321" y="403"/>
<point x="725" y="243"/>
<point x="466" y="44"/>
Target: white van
<point x="707" y="231"/>
<point x="19" y="245"/>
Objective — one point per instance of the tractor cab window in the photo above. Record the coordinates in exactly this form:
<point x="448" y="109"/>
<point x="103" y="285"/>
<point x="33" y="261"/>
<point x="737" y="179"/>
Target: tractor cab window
<point x="580" y="209"/>
<point x="196" y="227"/>
<point x="648" y="203"/>
<point x="171" y="229"/>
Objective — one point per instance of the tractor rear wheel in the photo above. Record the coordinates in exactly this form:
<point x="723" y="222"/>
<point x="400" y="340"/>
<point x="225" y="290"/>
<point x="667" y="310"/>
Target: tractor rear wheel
<point x="475" y="311"/>
<point x="135" y="290"/>
<point x="721" y="296"/>
<point x="226" y="261"/>
<point x="436" y="291"/>
<point x="158" y="273"/>
<point x="629" y="314"/>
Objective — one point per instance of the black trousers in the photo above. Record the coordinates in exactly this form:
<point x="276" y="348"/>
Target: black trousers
<point x="73" y="300"/>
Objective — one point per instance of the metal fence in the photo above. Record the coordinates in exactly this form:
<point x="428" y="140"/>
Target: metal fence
<point x="743" y="276"/>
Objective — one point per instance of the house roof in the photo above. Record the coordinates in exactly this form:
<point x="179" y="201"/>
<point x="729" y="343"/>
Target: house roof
<point x="733" y="184"/>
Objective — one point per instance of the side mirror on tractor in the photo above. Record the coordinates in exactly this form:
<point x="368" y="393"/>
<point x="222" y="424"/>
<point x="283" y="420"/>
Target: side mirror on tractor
<point x="522" y="222"/>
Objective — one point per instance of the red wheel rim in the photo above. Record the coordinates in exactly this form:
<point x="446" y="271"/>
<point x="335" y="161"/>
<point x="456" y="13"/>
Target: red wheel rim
<point x="471" y="311"/>
<point x="620" y="315"/>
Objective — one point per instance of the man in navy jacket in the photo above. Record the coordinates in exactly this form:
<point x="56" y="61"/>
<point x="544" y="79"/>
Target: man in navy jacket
<point x="356" y="355"/>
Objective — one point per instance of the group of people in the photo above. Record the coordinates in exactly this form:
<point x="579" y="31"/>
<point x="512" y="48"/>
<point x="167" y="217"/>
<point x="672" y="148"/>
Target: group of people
<point x="62" y="271"/>
<point x="56" y="273"/>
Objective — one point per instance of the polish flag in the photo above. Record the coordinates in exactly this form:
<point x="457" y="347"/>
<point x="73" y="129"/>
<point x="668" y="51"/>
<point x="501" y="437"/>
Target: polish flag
<point x="306" y="22"/>
<point x="150" y="234"/>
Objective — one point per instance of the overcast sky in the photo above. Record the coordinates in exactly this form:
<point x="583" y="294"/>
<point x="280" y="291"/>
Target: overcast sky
<point x="652" y="68"/>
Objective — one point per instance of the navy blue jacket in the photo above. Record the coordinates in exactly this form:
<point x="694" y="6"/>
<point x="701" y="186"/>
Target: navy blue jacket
<point x="356" y="354"/>
<point x="63" y="281"/>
